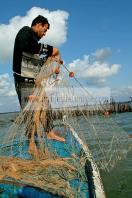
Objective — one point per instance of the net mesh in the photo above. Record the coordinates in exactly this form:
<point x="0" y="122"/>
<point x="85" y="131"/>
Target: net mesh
<point x="51" y="140"/>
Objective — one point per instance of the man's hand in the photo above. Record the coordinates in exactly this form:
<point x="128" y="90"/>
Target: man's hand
<point x="56" y="55"/>
<point x="55" y="52"/>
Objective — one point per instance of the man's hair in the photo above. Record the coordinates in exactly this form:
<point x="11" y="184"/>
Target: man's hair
<point x="40" y="19"/>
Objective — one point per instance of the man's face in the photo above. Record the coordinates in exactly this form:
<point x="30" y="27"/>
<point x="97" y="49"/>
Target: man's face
<point x="41" y="29"/>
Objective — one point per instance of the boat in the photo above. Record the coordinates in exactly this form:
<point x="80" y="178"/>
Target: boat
<point x="86" y="184"/>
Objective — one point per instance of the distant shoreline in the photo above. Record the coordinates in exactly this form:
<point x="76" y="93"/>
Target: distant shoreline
<point x="116" y="107"/>
<point x="10" y="112"/>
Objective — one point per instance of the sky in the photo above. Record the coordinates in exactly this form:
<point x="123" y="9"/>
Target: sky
<point x="93" y="36"/>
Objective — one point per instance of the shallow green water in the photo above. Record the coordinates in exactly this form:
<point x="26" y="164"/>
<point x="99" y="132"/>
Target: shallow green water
<point x="118" y="182"/>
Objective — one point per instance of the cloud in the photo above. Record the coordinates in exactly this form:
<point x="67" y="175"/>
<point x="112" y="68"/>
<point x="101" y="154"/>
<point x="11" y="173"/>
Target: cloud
<point x="92" y="70"/>
<point x="6" y="86"/>
<point x="8" y="96"/>
<point x="102" y="54"/>
<point x="56" y="35"/>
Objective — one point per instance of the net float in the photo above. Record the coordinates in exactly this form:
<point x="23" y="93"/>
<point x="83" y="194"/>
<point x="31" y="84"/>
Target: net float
<point x="57" y="70"/>
<point x="71" y="74"/>
<point x="33" y="98"/>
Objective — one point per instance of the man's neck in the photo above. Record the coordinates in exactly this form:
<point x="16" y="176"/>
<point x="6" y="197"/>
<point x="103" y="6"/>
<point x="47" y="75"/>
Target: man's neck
<point x="35" y="32"/>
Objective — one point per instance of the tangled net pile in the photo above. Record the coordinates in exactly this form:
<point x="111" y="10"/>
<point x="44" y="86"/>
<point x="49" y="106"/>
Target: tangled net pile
<point x="29" y="157"/>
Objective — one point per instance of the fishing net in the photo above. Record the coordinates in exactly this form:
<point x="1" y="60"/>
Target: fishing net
<point x="54" y="142"/>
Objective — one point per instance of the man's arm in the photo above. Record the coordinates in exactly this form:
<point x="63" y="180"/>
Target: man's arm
<point x="29" y="43"/>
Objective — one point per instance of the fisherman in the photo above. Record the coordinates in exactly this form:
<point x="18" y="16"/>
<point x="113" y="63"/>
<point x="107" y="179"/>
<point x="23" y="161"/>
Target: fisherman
<point x="26" y="64"/>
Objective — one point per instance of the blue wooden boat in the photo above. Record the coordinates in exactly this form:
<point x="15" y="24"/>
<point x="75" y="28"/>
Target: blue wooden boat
<point x="91" y="187"/>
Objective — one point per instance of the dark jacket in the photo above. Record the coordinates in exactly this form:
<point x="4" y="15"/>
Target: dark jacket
<point x="27" y="41"/>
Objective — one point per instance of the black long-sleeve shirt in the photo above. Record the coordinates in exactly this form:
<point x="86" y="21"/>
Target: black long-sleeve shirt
<point x="27" y="41"/>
